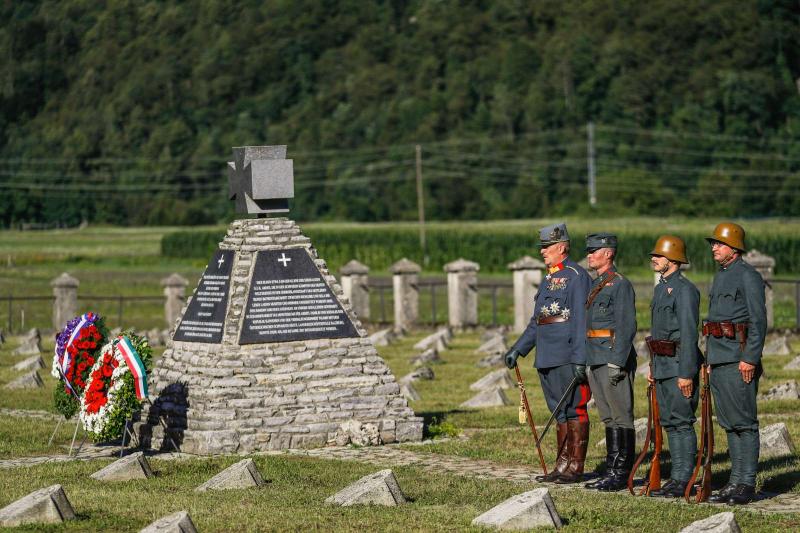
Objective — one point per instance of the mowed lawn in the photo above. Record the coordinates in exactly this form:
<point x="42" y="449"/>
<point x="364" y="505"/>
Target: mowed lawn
<point x="293" y="498"/>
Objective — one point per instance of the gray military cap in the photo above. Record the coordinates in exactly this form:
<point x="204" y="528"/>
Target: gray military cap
<point x="600" y="240"/>
<point x="552" y="234"/>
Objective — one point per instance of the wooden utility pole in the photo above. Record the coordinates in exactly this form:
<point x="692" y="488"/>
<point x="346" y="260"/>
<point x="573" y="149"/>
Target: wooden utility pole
<point x="421" y="206"/>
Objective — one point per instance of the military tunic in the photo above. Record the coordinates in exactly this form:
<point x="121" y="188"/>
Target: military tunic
<point x="559" y="345"/>
<point x="613" y="308"/>
<point x="675" y="311"/>
<point x="737" y="296"/>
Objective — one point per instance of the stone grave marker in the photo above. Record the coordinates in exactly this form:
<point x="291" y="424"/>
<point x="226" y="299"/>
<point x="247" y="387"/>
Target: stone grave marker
<point x="491" y="360"/>
<point x="640" y="426"/>
<point x="179" y="522"/>
<point x="775" y="441"/>
<point x="794" y="364"/>
<point x="134" y="466"/>
<point x="788" y="390"/>
<point x="268" y="353"/>
<point x="31" y="344"/>
<point x="431" y="355"/>
<point x="498" y="379"/>
<point x="718" y="523"/>
<point x="422" y="373"/>
<point x="383" y="337"/>
<point x="31" y="380"/>
<point x="44" y="506"/>
<point x="487" y="398"/>
<point x="436" y="340"/>
<point x="493" y="346"/>
<point x="778" y="345"/>
<point x="380" y="488"/>
<point x="524" y="511"/>
<point x="31" y="363"/>
<point x="241" y="475"/>
<point x="409" y="392"/>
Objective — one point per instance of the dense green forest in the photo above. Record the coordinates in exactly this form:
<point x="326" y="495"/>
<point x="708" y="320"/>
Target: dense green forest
<point x="126" y="111"/>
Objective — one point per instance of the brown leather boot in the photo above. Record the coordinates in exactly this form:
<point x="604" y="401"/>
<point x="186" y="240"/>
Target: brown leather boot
<point x="563" y="455"/>
<point x="578" y="440"/>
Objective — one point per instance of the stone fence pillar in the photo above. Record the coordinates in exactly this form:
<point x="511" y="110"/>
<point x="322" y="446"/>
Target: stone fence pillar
<point x="462" y="293"/>
<point x="405" y="282"/>
<point x="175" y="291"/>
<point x="765" y="265"/>
<point x="65" y="307"/>
<point x="527" y="274"/>
<point x="355" y="285"/>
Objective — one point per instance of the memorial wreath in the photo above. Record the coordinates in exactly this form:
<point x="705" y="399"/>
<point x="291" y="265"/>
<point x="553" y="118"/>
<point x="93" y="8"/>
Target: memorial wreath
<point x="116" y="387"/>
<point x="76" y="351"/>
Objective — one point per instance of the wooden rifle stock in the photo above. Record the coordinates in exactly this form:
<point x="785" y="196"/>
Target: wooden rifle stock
<point x="654" y="435"/>
<point x="706" y="450"/>
<point x="529" y="417"/>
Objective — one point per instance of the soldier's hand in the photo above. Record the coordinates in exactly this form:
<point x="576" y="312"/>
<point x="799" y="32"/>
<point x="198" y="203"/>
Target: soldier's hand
<point x="747" y="370"/>
<point x="686" y="386"/>
<point x="579" y="371"/>
<point x="615" y="373"/>
<point x="650" y="379"/>
<point x="511" y="358"/>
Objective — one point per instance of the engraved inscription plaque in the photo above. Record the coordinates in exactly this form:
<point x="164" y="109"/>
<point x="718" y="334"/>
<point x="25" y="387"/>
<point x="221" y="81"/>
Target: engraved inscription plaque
<point x="205" y="317"/>
<point x="289" y="301"/>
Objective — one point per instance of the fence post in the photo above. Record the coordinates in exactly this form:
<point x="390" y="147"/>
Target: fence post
<point x="405" y="282"/>
<point x="797" y="304"/>
<point x="175" y="291"/>
<point x="355" y="285"/>
<point x="462" y="293"/>
<point x="527" y="274"/>
<point x="65" y="306"/>
<point x="764" y="264"/>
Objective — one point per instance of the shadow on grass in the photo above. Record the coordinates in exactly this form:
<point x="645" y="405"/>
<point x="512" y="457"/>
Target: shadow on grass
<point x="434" y="423"/>
<point x="787" y="476"/>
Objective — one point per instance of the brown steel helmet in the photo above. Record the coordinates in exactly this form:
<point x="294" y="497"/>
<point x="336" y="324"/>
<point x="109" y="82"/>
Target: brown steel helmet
<point x="671" y="247"/>
<point x="730" y="234"/>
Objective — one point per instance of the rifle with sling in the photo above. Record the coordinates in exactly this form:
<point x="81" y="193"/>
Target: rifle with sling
<point x="654" y="435"/>
<point x="706" y="451"/>
<point x="524" y="399"/>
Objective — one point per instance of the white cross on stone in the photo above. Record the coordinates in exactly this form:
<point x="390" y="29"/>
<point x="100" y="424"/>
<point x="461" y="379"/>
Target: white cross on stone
<point x="220" y="261"/>
<point x="283" y="259"/>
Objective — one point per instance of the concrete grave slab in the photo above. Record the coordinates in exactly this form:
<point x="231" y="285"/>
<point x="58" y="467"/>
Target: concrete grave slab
<point x="31" y="345"/>
<point x="179" y="522"/>
<point x="31" y="380"/>
<point x="491" y="360"/>
<point x="383" y="337"/>
<point x="499" y="379"/>
<point x="242" y="475"/>
<point x="134" y="466"/>
<point x="408" y="392"/>
<point x="380" y="488"/>
<point x="524" y="511"/>
<point x="487" y="398"/>
<point x="428" y="356"/>
<point x="640" y="425"/>
<point x="422" y="373"/>
<point x="718" y="523"/>
<point x="493" y="346"/>
<point x="788" y="390"/>
<point x="436" y="340"/>
<point x="794" y="364"/>
<point x="775" y="441"/>
<point x="44" y="506"/>
<point x="778" y="345"/>
<point x="31" y="363"/>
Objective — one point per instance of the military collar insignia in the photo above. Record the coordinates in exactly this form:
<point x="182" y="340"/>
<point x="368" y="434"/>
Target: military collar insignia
<point x="556" y="268"/>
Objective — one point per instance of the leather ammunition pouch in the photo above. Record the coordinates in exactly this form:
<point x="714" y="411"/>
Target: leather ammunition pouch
<point x="729" y="330"/>
<point x="662" y="347"/>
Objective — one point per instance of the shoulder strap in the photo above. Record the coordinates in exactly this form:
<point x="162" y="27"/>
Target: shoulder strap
<point x="596" y="290"/>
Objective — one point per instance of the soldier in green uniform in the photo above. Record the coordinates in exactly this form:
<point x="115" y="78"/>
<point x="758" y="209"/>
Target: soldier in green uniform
<point x="735" y="329"/>
<point x="610" y="329"/>
<point x="675" y="312"/>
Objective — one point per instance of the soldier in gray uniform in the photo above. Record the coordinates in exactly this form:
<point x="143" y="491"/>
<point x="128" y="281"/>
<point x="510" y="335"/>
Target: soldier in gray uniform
<point x="675" y="312"/>
<point x="558" y="331"/>
<point x="611" y="358"/>
<point x="735" y="329"/>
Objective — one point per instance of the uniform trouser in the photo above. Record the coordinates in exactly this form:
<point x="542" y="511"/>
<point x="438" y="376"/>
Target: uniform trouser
<point x="554" y="382"/>
<point x="677" y="416"/>
<point x="614" y="402"/>
<point x="737" y="413"/>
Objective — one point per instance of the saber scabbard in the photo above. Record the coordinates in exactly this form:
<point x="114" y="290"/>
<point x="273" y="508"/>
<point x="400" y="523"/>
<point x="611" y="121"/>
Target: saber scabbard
<point x="529" y="417"/>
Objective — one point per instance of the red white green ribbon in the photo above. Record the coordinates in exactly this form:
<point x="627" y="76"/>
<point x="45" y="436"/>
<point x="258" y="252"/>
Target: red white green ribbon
<point x="135" y="366"/>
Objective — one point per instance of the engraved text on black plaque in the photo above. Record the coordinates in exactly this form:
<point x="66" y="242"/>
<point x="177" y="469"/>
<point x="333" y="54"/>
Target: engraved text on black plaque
<point x="289" y="301"/>
<point x="205" y="317"/>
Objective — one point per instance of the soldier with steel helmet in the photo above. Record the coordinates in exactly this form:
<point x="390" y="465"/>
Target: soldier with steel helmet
<point x="675" y="312"/>
<point x="735" y="330"/>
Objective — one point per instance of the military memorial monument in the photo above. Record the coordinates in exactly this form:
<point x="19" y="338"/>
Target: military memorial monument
<point x="268" y="353"/>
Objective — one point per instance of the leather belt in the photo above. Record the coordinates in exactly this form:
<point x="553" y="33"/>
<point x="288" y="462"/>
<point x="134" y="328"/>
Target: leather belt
<point x="544" y="320"/>
<point x="599" y="333"/>
<point x="663" y="348"/>
<point x="728" y="330"/>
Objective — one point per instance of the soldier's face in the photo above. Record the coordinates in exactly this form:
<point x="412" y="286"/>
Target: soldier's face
<point x="598" y="258"/>
<point x="553" y="254"/>
<point x="721" y="252"/>
<point x="659" y="263"/>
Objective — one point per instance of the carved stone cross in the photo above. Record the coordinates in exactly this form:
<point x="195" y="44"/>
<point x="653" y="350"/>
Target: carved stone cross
<point x="261" y="179"/>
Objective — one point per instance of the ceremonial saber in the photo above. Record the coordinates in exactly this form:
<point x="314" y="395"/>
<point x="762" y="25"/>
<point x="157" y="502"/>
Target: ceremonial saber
<point x="528" y="415"/>
<point x="560" y="404"/>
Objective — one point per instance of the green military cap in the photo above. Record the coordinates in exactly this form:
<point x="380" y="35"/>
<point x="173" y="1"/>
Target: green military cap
<point x="600" y="240"/>
<point x="552" y="234"/>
